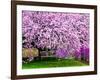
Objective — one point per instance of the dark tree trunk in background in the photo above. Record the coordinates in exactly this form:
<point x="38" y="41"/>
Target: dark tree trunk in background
<point x="81" y="56"/>
<point x="39" y="56"/>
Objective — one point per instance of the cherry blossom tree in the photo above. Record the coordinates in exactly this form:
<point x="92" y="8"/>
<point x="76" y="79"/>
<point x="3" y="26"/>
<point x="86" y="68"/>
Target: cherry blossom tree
<point x="65" y="33"/>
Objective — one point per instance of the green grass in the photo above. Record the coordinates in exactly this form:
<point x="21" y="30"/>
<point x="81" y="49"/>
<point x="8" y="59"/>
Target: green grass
<point x="52" y="62"/>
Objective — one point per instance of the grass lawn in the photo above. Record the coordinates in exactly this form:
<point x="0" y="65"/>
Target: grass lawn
<point x="52" y="62"/>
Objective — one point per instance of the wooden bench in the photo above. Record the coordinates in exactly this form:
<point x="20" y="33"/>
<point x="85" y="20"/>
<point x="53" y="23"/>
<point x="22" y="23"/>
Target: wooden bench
<point x="46" y="54"/>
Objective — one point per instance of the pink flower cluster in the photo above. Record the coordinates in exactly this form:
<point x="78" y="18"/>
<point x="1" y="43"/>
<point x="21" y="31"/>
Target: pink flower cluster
<point x="55" y="30"/>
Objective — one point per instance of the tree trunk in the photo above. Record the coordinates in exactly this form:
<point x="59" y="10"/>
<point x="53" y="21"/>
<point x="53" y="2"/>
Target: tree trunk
<point x="39" y="56"/>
